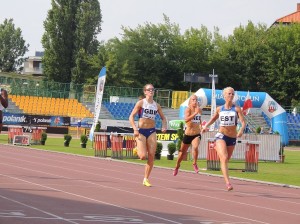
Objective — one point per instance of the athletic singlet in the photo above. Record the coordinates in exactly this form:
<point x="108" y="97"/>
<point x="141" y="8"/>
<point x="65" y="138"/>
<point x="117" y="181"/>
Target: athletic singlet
<point x="148" y="110"/>
<point x="196" y="119"/>
<point x="228" y="117"/>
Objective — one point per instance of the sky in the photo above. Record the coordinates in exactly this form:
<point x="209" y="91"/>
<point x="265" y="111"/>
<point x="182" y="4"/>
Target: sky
<point x="28" y="15"/>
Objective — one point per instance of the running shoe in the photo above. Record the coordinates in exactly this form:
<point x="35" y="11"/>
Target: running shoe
<point x="196" y="168"/>
<point x="229" y="187"/>
<point x="146" y="183"/>
<point x="175" y="172"/>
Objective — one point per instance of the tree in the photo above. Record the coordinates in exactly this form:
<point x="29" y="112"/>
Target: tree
<point x="119" y="63"/>
<point x="253" y="58"/>
<point x="95" y="62"/>
<point x="145" y="54"/>
<point x="240" y="57"/>
<point x="197" y="48"/>
<point x="12" y="46"/>
<point x="70" y="40"/>
<point x="281" y="64"/>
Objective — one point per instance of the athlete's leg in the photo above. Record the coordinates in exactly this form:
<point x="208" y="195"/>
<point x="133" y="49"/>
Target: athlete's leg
<point x="230" y="151"/>
<point x="183" y="150"/>
<point x="221" y="149"/>
<point x="195" y="149"/>
<point x="151" y="148"/>
<point x="141" y="143"/>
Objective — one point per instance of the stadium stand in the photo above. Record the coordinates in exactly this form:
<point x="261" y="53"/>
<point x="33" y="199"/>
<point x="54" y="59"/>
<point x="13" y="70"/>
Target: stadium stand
<point x="50" y="106"/>
<point x="293" y="122"/>
<point x="122" y="111"/>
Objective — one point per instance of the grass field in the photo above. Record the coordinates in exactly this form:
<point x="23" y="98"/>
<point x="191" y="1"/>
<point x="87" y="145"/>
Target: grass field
<point x="287" y="173"/>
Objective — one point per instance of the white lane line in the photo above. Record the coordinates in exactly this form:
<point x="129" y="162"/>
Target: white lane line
<point x="84" y="197"/>
<point x="35" y="208"/>
<point x="76" y="157"/>
<point x="169" y="189"/>
<point x="126" y="191"/>
<point x="62" y="155"/>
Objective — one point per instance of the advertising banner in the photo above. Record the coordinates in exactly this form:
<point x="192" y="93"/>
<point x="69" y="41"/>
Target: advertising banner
<point x="35" y="120"/>
<point x="99" y="96"/>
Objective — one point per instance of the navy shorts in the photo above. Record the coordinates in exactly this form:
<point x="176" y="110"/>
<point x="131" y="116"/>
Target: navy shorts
<point x="229" y="141"/>
<point x="147" y="131"/>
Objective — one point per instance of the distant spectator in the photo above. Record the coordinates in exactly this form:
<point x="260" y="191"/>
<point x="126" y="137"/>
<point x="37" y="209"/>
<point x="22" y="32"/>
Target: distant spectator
<point x="262" y="130"/>
<point x="247" y="129"/>
<point x="271" y="131"/>
<point x="3" y="105"/>
<point x="294" y="111"/>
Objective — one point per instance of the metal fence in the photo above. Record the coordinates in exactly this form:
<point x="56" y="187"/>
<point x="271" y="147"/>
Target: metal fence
<point x="83" y="93"/>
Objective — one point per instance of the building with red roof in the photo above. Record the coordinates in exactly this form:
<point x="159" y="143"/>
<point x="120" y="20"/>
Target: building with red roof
<point x="291" y="18"/>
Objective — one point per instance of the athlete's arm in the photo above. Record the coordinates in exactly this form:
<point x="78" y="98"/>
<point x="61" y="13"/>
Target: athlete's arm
<point x="163" y="118"/>
<point x="135" y="110"/>
<point x="212" y="120"/>
<point x="242" y="120"/>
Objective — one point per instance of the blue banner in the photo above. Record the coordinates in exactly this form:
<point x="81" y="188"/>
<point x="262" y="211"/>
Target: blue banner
<point x="34" y="120"/>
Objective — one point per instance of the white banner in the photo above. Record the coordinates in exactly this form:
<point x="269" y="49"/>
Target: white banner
<point x="98" y="101"/>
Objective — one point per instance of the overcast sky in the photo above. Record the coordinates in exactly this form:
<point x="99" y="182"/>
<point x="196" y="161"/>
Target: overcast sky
<point x="224" y="14"/>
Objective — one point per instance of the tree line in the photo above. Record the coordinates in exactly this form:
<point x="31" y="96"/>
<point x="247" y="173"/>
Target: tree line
<point x="254" y="57"/>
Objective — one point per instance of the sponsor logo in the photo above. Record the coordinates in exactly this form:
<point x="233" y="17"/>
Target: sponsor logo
<point x="175" y="124"/>
<point x="41" y="120"/>
<point x="272" y="106"/>
<point x="14" y="119"/>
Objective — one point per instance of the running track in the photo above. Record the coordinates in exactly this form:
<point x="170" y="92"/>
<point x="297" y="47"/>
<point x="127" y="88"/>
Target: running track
<point x="38" y="187"/>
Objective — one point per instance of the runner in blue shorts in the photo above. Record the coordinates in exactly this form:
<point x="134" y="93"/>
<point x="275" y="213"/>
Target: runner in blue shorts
<point x="228" y="115"/>
<point x="145" y="131"/>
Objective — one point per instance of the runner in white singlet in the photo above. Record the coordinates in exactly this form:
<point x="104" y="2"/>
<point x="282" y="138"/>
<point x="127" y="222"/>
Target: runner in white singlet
<point x="228" y="114"/>
<point x="145" y="133"/>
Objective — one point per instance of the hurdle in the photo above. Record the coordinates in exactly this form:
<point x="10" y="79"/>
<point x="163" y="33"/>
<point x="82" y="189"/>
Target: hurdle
<point x="12" y="131"/>
<point x="37" y="135"/>
<point x="100" y="144"/>
<point x="212" y="160"/>
<point x="251" y="155"/>
<point x="130" y="144"/>
<point x="116" y="145"/>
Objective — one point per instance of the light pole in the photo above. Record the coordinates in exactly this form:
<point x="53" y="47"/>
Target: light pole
<point x="37" y="89"/>
<point x="192" y="76"/>
<point x="213" y="98"/>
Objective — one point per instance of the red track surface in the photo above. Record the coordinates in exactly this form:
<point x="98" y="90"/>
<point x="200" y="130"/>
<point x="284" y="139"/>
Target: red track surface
<point x="38" y="187"/>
